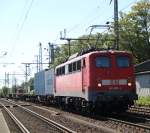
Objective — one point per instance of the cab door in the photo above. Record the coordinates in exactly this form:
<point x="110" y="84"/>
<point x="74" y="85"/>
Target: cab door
<point x="84" y="75"/>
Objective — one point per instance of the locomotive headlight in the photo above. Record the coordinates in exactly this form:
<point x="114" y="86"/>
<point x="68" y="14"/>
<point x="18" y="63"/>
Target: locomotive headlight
<point x="129" y="81"/>
<point x="99" y="84"/>
<point x="129" y="84"/>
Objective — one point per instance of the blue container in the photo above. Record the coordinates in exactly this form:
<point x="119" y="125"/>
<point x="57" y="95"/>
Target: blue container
<point x="44" y="82"/>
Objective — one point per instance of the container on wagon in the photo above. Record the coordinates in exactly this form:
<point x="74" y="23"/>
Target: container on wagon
<point x="44" y="82"/>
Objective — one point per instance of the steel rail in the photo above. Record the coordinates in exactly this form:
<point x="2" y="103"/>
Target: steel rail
<point x="50" y="122"/>
<point x="17" y="122"/>
<point x="70" y="131"/>
<point x="140" y="109"/>
<point x="105" y="129"/>
<point x="130" y="123"/>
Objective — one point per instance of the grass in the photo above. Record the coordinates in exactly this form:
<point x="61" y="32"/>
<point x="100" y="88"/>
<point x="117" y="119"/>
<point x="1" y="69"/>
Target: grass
<point x="143" y="101"/>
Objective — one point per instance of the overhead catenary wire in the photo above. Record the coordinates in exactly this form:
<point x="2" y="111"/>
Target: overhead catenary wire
<point x="13" y="44"/>
<point x="76" y="26"/>
<point x="12" y="39"/>
<point x="72" y="28"/>
<point x="115" y="7"/>
<point x="19" y="27"/>
<point x="124" y="8"/>
<point x="18" y="23"/>
<point x="84" y="19"/>
<point x="104" y="21"/>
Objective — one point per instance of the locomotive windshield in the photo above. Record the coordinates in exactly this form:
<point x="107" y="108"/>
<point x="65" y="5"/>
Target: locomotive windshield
<point x="103" y="61"/>
<point x="123" y="61"/>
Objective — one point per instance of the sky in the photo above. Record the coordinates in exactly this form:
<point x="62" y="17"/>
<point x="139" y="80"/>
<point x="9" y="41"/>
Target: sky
<point x="26" y="23"/>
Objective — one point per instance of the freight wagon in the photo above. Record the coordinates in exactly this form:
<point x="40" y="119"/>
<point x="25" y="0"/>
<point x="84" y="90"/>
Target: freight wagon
<point x="44" y="85"/>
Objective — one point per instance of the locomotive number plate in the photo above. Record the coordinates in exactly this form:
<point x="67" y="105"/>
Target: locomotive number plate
<point x="115" y="82"/>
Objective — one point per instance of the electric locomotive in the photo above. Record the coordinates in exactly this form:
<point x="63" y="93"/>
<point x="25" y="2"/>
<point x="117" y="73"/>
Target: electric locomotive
<point x="98" y="80"/>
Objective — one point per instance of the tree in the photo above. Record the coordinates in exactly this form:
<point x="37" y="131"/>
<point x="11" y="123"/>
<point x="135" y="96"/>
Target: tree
<point x="31" y="84"/>
<point x="5" y="91"/>
<point x="135" y="30"/>
<point x="91" y="41"/>
<point x="14" y="89"/>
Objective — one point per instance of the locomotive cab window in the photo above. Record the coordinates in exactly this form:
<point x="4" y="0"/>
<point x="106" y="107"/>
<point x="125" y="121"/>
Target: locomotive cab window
<point x="79" y="65"/>
<point x="123" y="61"/>
<point x="74" y="66"/>
<point x="70" y="67"/>
<point x="83" y="63"/>
<point x="103" y="62"/>
<point x="58" y="71"/>
<point x="62" y="70"/>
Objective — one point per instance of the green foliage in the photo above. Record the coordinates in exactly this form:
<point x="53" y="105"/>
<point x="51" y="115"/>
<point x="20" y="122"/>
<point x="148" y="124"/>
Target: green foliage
<point x="134" y="28"/>
<point x="61" y="54"/>
<point x="96" y="41"/>
<point x="1" y="94"/>
<point x="32" y="93"/>
<point x="143" y="101"/>
<point x="14" y="89"/>
<point x="31" y="84"/>
<point x="4" y="91"/>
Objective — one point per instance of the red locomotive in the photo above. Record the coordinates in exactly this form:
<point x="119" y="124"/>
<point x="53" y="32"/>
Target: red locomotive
<point x="97" y="80"/>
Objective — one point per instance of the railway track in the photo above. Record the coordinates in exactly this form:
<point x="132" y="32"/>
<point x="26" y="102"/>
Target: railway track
<point x="118" y="124"/>
<point x="140" y="110"/>
<point x="77" y="119"/>
<point x="29" y="121"/>
<point x="115" y="123"/>
<point x="78" y="125"/>
<point x="127" y="125"/>
<point x="21" y="127"/>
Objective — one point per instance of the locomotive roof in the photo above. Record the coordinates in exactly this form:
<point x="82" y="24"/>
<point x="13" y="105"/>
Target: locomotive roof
<point x="143" y="67"/>
<point x="77" y="57"/>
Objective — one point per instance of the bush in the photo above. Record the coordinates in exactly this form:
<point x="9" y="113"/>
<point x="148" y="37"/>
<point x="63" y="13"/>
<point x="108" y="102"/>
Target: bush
<point x="143" y="101"/>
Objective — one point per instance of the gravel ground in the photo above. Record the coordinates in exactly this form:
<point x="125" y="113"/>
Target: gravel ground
<point x="33" y="124"/>
<point x="11" y="125"/>
<point x="100" y="121"/>
<point x="71" y="120"/>
<point x="76" y="125"/>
